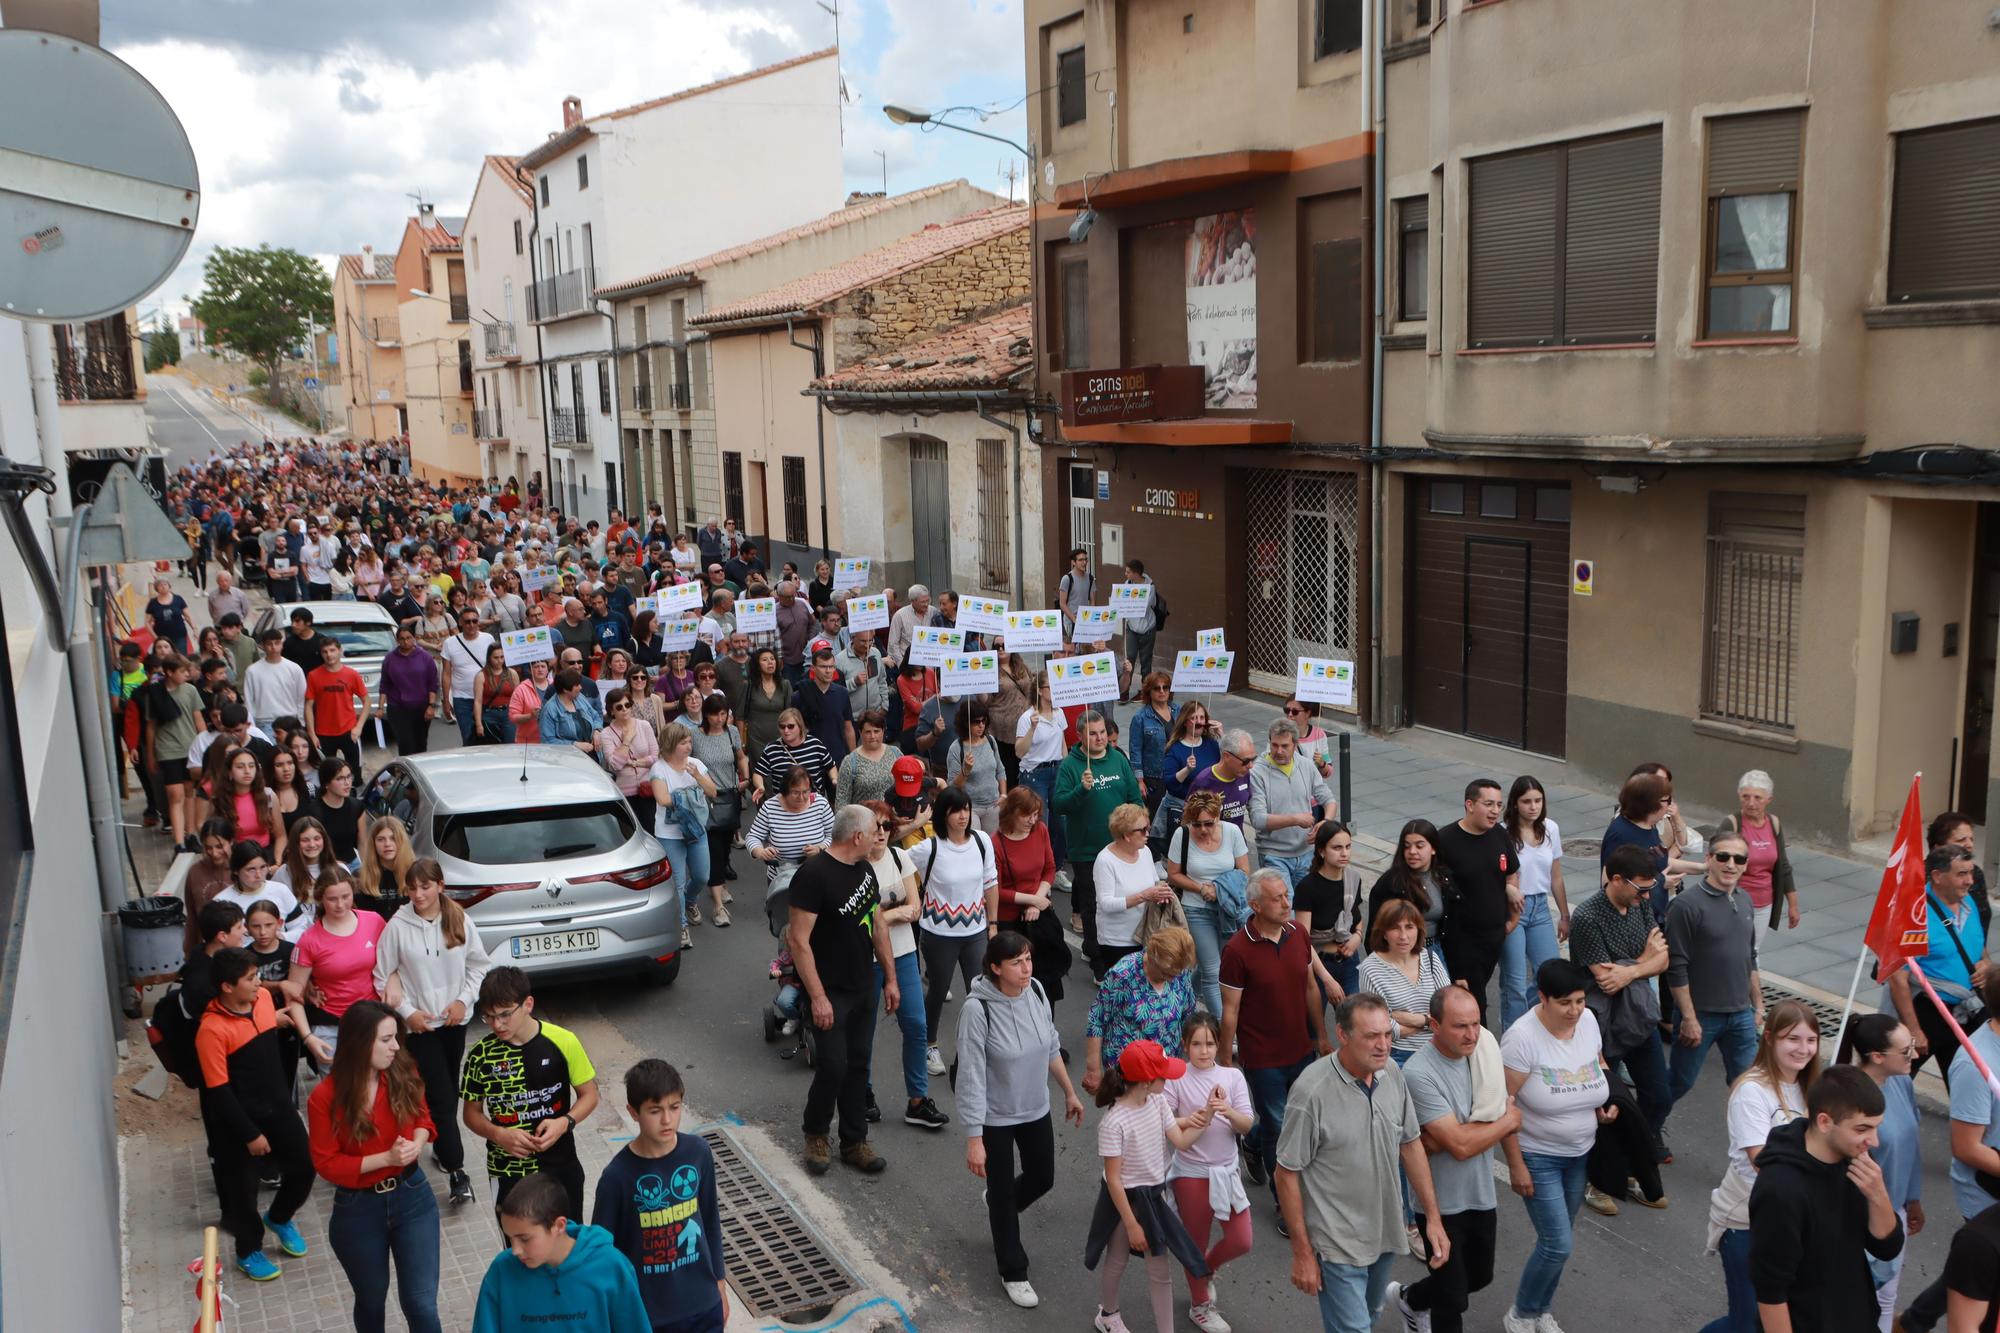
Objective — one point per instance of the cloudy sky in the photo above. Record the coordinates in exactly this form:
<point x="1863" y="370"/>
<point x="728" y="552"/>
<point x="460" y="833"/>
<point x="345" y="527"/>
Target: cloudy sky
<point x="314" y="123"/>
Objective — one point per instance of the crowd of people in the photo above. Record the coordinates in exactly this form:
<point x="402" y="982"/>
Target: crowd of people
<point x="1261" y="1016"/>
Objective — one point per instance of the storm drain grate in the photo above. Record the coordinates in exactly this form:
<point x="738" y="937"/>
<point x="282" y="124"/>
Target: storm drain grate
<point x="1827" y="1014"/>
<point x="777" y="1265"/>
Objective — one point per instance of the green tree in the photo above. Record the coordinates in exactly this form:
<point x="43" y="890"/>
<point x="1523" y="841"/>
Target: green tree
<point x="257" y="302"/>
<point x="164" y="347"/>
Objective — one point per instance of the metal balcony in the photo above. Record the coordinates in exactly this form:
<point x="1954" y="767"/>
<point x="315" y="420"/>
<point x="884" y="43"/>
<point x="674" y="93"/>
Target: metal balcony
<point x="487" y="425"/>
<point x="640" y="397"/>
<point x="563" y="295"/>
<point x="500" y="345"/>
<point x="678" y="395"/>
<point x="568" y="426"/>
<point x="94" y="361"/>
<point x="386" y="331"/>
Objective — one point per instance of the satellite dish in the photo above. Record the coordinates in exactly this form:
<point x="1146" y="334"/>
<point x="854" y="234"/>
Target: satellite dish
<point x="99" y="191"/>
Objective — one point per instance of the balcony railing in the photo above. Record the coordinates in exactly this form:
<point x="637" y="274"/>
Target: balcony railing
<point x="563" y="295"/>
<point x="567" y="426"/>
<point x="461" y="310"/>
<point x="386" y="331"/>
<point x="677" y="395"/>
<point x="94" y="361"/>
<point x="487" y="425"/>
<point x="500" y="345"/>
<point x="641" y="397"/>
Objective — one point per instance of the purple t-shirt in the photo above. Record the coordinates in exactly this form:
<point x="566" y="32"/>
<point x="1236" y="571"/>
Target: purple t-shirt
<point x="1235" y="795"/>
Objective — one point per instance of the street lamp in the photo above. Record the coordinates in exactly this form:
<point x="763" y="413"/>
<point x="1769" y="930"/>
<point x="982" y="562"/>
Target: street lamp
<point x="903" y="115"/>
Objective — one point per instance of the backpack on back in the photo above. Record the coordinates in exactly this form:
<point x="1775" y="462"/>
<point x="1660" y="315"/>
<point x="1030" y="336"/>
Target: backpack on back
<point x="171" y="1033"/>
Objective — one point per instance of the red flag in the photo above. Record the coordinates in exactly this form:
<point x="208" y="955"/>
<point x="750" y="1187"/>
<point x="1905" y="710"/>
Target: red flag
<point x="1899" y="926"/>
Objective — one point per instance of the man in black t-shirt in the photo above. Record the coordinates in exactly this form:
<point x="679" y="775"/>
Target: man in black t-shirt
<point x="1481" y="858"/>
<point x="837" y="936"/>
<point x="1972" y="1272"/>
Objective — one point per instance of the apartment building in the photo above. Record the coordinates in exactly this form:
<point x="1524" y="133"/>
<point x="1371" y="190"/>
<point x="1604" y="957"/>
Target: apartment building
<point x="631" y="191"/>
<point x="497" y="242"/>
<point x="803" y="483"/>
<point x="667" y="410"/>
<point x="436" y="319"/>
<point x="370" y="334"/>
<point x="1204" y="181"/>
<point x="1687" y="387"/>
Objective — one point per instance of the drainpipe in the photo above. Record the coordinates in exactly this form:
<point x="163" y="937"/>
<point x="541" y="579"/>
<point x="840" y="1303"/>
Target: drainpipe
<point x="1377" y="470"/>
<point x="818" y="349"/>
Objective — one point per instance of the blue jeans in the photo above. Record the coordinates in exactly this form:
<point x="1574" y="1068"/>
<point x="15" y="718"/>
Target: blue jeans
<point x="1205" y="924"/>
<point x="1559" y="1183"/>
<point x="1268" y="1090"/>
<point x="1350" y="1296"/>
<point x="910" y="1018"/>
<point x="689" y="858"/>
<point x="498" y="723"/>
<point x="464" y="710"/>
<point x="1734" y="1250"/>
<point x="1737" y="1035"/>
<point x="1041" y="780"/>
<point x="1294" y="868"/>
<point x="1525" y="948"/>
<point x="367" y="1230"/>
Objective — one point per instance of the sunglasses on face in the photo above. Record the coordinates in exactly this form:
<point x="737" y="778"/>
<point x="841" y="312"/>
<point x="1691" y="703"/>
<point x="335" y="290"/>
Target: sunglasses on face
<point x="1732" y="858"/>
<point x="1295" y="712"/>
<point x="621" y="708"/>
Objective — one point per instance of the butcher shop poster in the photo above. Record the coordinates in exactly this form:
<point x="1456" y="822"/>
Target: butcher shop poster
<point x="1222" y="306"/>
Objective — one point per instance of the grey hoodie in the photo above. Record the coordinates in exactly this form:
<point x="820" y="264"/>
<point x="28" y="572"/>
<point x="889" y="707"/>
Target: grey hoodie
<point x="433" y="976"/>
<point x="1004" y="1049"/>
<point x="1274" y="792"/>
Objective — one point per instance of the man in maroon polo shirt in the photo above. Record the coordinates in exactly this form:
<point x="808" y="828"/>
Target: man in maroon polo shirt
<point x="1270" y="1013"/>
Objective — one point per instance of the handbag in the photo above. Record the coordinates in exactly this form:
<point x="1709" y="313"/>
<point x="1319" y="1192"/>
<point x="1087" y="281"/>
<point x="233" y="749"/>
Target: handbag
<point x="1159" y="916"/>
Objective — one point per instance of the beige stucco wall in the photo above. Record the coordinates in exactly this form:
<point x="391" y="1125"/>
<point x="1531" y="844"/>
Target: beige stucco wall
<point x="370" y="370"/>
<point x="441" y="438"/>
<point x="761" y="413"/>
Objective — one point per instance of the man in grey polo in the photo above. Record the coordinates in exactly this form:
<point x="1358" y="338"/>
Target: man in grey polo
<point x="1712" y="968"/>
<point x="1348" y="1123"/>
<point x="1288" y="799"/>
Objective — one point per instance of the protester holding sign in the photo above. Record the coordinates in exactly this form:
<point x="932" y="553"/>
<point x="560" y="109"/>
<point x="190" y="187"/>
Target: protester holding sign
<point x="1093" y="781"/>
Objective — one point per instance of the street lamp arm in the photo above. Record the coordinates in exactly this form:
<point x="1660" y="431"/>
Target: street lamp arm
<point x="931" y="120"/>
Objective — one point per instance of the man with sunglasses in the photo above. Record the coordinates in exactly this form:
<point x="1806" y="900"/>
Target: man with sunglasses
<point x="572" y="659"/>
<point x="463" y="657"/>
<point x="1712" y="967"/>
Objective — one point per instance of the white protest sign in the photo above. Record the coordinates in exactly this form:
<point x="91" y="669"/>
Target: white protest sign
<point x="1094" y="624"/>
<point x="983" y="615"/>
<point x="929" y="644"/>
<point x="871" y="612"/>
<point x="1322" y="680"/>
<point x="1129" y="599"/>
<point x="1083" y="680"/>
<point x="1203" y="673"/>
<point x="757" y="615"/>
<point x="1034" y="632"/>
<point x="1209" y="640"/>
<point x="960" y="677"/>
<point x="678" y="636"/>
<point x="521" y="646"/>
<point x="539" y="577"/>
<point x="679" y="597"/>
<point x="640" y="604"/>
<point x="851" y="572"/>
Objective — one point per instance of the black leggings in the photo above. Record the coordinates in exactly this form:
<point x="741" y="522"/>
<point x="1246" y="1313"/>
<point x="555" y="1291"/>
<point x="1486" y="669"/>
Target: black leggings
<point x="438" y="1054"/>
<point x="1448" y="1290"/>
<point x="720" y="843"/>
<point x="1009" y="1195"/>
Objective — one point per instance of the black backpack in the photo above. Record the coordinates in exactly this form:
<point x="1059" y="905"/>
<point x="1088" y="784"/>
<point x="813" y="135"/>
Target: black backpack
<point x="952" y="1073"/>
<point x="171" y="1033"/>
<point x="1160" y="612"/>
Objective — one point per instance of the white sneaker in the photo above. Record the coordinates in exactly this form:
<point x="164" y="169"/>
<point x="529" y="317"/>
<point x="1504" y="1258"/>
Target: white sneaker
<point x="934" y="1061"/>
<point x="1546" y="1323"/>
<point x="1022" y="1294"/>
<point x="1414" y="1321"/>
<point x="1109" y="1323"/>
<point x="1518" y="1323"/>
<point x="1207" y="1318"/>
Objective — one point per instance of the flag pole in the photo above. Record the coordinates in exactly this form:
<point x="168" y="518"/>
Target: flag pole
<point x="1964" y="1041"/>
<point x="1853" y="987"/>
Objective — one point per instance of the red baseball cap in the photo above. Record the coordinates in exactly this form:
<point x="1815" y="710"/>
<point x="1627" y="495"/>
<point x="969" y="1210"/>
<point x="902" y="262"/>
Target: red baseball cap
<point x="909" y="772"/>
<point x="1143" y="1061"/>
<point x="814" y="648"/>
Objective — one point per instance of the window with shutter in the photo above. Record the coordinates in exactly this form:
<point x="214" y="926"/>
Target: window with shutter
<point x="1413" y="258"/>
<point x="1752" y="223"/>
<point x="1565" y="244"/>
<point x="1071" y="106"/>
<point x="1336" y="300"/>
<point x="1944" y="242"/>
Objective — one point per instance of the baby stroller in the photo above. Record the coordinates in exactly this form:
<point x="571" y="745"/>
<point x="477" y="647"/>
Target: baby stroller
<point x="249" y="558"/>
<point x="786" y="1015"/>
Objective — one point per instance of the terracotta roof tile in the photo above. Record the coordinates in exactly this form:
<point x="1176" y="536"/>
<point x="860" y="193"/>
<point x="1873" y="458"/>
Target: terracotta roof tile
<point x="509" y="170"/>
<point x="385" y="268"/>
<point x="442" y="234"/>
<point x="912" y="251"/>
<point x="991" y="352"/>
<point x="840" y="217"/>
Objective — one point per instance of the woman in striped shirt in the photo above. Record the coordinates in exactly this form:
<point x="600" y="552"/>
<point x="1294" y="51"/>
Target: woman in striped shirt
<point x="792" y="827"/>
<point x="1404" y="973"/>
<point x="795" y="748"/>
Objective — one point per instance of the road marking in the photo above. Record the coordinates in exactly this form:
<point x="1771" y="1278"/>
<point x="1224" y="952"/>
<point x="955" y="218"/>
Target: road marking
<point x="182" y="405"/>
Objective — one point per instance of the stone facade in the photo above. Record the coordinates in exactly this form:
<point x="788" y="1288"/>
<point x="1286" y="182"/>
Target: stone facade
<point x="914" y="304"/>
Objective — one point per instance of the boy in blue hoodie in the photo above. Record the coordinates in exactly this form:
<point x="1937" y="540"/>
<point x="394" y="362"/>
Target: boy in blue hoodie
<point x="555" y="1272"/>
<point x="657" y="1200"/>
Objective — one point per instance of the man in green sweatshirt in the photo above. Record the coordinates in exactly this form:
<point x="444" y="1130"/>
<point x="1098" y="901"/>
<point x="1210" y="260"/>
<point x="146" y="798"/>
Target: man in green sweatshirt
<point x="1094" y="780"/>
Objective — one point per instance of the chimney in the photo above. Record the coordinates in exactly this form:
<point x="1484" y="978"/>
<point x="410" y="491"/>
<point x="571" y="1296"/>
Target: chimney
<point x="572" y="112"/>
<point x="426" y="215"/>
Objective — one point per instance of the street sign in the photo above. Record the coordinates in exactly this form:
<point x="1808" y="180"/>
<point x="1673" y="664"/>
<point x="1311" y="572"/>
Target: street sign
<point x="311" y="383"/>
<point x="102" y="190"/>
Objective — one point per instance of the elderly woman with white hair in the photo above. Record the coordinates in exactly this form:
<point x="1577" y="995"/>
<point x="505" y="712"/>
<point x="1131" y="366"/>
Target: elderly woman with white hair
<point x="1768" y="877"/>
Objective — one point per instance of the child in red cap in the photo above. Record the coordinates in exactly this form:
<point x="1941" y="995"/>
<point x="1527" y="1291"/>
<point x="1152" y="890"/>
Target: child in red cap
<point x="1135" y="1210"/>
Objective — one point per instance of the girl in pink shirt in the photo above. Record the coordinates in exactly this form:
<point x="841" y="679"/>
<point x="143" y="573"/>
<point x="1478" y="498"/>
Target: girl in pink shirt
<point x="335" y="959"/>
<point x="1208" y="1187"/>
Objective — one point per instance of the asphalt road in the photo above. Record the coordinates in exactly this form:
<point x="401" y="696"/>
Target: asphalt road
<point x="923" y="1220"/>
<point x="187" y="424"/>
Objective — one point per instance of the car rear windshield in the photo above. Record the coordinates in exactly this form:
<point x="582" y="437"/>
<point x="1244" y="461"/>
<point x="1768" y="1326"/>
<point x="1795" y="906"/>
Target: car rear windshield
<point x="359" y="638"/>
<point x="535" y="833"/>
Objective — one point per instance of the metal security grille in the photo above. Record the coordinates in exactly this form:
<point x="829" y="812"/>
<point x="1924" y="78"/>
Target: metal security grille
<point x="1302" y="571"/>
<point x="795" y="500"/>
<point x="732" y="488"/>
<point x="1756" y="567"/>
<point x="992" y="515"/>
<point x="776" y="1263"/>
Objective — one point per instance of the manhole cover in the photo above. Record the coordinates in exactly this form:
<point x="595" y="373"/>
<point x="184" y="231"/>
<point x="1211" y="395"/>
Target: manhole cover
<point x="777" y="1265"/>
<point x="1581" y="846"/>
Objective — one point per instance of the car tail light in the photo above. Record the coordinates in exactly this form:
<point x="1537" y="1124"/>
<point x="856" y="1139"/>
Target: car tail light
<point x="468" y="895"/>
<point x="638" y="878"/>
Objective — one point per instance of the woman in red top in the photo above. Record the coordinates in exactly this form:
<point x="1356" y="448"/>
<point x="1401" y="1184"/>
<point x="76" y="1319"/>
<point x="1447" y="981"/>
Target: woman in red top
<point x="368" y="1121"/>
<point x="1026" y="866"/>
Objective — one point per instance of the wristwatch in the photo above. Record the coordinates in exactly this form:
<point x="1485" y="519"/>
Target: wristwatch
<point x="572" y="1122"/>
